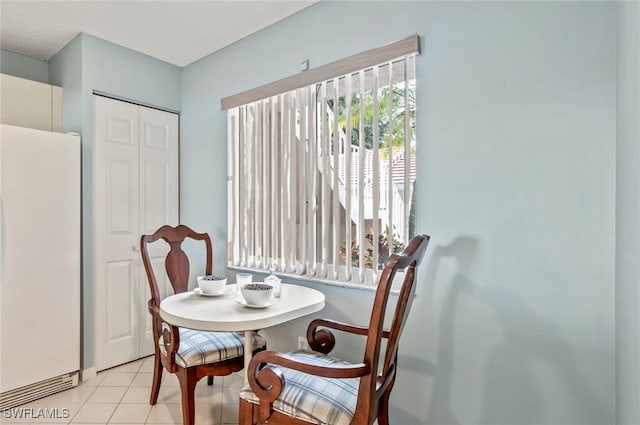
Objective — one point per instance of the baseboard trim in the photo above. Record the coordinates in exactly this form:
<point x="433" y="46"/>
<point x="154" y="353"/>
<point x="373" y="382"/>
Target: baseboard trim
<point x="87" y="374"/>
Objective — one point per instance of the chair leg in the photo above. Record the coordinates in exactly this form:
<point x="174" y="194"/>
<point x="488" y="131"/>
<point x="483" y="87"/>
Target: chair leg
<point x="157" y="377"/>
<point x="187" y="379"/>
<point x="245" y="414"/>
<point x="383" y="410"/>
<point x="209" y="380"/>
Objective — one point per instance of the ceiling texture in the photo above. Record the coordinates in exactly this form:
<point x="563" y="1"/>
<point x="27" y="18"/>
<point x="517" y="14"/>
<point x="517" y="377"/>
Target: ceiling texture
<point x="178" y="32"/>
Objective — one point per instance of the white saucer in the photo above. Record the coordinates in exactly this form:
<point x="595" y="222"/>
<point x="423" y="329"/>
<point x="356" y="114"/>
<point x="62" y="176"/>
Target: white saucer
<point x="198" y="291"/>
<point x="244" y="302"/>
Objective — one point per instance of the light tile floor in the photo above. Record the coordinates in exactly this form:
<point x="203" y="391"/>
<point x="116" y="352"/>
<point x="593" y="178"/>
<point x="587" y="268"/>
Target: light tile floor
<point x="121" y="396"/>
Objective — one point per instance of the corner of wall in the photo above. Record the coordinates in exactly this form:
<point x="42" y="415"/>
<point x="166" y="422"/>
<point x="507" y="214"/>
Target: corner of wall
<point x="627" y="214"/>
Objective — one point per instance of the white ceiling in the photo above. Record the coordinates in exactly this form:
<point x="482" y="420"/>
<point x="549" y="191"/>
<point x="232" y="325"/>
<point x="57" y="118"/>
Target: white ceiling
<point x="178" y="32"/>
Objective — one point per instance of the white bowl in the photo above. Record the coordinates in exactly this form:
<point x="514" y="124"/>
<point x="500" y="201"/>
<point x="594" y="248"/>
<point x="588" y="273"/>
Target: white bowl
<point x="257" y="293"/>
<point x="212" y="284"/>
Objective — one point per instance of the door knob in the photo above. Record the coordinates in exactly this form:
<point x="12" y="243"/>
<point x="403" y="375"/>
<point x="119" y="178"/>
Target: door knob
<point x="135" y="247"/>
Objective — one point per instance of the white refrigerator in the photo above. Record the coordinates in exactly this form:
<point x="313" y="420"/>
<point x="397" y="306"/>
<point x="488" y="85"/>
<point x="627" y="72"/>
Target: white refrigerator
<point x="40" y="251"/>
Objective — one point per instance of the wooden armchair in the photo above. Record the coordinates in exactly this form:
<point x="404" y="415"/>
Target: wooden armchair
<point x="312" y="387"/>
<point x="190" y="354"/>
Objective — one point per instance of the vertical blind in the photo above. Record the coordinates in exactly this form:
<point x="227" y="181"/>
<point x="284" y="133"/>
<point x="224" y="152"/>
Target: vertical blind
<point x="321" y="177"/>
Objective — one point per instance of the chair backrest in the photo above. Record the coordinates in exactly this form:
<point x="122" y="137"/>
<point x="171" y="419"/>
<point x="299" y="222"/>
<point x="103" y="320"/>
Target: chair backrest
<point x="176" y="262"/>
<point x="407" y="262"/>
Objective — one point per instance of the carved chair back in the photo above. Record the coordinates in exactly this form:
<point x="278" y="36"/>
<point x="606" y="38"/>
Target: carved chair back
<point x="176" y="262"/>
<point x="372" y="386"/>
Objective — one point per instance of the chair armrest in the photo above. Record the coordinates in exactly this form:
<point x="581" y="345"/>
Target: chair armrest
<point x="323" y="340"/>
<point x="267" y="382"/>
<point x="170" y="333"/>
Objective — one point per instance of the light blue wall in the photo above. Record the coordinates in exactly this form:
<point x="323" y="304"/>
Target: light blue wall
<point x="514" y="320"/>
<point x="628" y="216"/>
<point x="65" y="70"/>
<point x="24" y="66"/>
<point x="87" y="64"/>
<point x="123" y="72"/>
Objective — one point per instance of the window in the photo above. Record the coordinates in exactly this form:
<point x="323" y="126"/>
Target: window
<point x="322" y="175"/>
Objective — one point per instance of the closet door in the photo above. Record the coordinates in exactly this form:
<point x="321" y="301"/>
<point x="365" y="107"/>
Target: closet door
<point x="135" y="192"/>
<point x="116" y="214"/>
<point x="158" y="200"/>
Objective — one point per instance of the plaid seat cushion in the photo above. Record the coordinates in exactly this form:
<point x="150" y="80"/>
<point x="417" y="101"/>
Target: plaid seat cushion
<point x="199" y="347"/>
<point x="322" y="401"/>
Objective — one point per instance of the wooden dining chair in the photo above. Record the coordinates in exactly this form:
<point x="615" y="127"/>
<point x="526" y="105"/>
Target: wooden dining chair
<point x="305" y="387"/>
<point x="190" y="354"/>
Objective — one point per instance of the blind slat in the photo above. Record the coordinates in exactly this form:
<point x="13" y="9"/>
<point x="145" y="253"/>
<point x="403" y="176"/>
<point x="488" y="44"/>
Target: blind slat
<point x="286" y="185"/>
<point x="301" y="181"/>
<point x="266" y="178"/>
<point x="278" y="218"/>
<point x="325" y="192"/>
<point x="259" y="187"/>
<point x="293" y="184"/>
<point x="336" y="184"/>
<point x="250" y="173"/>
<point x="376" y="174"/>
<point x="407" y="159"/>
<point x="233" y="184"/>
<point x="242" y="217"/>
<point x="361" y="167"/>
<point x="312" y="204"/>
<point x="347" y="181"/>
<point x="275" y="172"/>
<point x="390" y="197"/>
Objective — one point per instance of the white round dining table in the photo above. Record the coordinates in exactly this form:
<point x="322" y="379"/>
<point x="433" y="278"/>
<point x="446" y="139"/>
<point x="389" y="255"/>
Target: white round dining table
<point x="225" y="313"/>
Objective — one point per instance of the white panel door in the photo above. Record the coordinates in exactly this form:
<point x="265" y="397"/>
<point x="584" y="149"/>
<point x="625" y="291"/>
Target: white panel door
<point x="116" y="212"/>
<point x="158" y="199"/>
<point x="135" y="192"/>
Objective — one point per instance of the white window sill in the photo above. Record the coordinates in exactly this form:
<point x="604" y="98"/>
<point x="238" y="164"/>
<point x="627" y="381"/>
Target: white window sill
<point x="292" y="278"/>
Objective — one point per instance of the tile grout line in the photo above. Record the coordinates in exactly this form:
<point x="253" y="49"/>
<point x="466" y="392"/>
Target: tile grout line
<point x="84" y="402"/>
<point x="146" y="420"/>
<point x="81" y="403"/>
<point x="125" y="391"/>
<point x="118" y="403"/>
<point x="83" y="399"/>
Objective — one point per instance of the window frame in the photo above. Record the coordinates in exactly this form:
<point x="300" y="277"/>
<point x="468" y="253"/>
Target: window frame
<point x="352" y="65"/>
